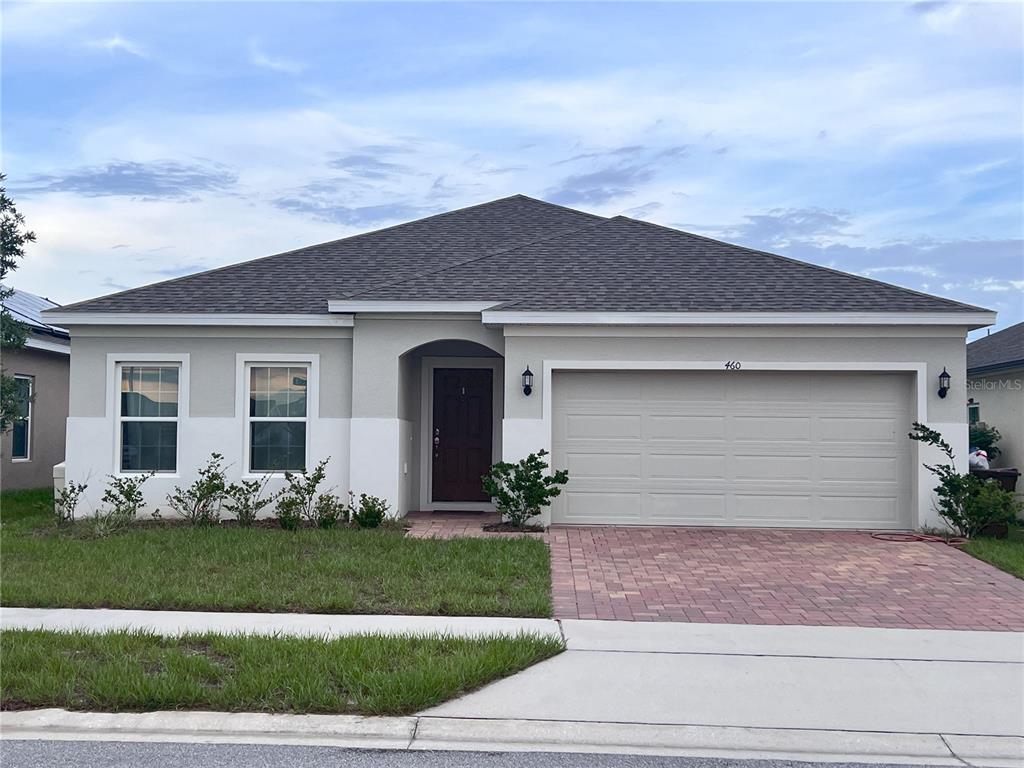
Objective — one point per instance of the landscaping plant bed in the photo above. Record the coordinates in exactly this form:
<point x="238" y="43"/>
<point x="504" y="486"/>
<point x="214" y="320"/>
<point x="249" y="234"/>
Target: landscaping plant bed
<point x="362" y="674"/>
<point x="169" y="566"/>
<point x="509" y="528"/>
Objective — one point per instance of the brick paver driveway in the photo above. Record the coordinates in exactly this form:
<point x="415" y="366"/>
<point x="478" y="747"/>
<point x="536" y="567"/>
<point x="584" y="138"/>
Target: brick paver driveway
<point x="776" y="577"/>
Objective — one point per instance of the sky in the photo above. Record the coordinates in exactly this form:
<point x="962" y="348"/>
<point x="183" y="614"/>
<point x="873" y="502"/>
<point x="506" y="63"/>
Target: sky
<point x="144" y="141"/>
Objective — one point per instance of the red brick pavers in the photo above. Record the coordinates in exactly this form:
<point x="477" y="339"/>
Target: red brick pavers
<point x="749" y="576"/>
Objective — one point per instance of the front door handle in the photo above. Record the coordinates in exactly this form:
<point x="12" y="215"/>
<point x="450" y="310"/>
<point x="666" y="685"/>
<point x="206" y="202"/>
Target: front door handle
<point x="437" y="443"/>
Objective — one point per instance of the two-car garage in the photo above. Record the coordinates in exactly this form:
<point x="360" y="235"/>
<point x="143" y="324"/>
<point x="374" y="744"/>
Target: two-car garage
<point x="821" y="449"/>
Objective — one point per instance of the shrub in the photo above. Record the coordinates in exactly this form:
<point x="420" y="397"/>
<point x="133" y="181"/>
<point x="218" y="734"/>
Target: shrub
<point x="296" y="502"/>
<point x="966" y="502"/>
<point x="370" y="511"/>
<point x="123" y="497"/>
<point x="985" y="438"/>
<point x="66" y="502"/>
<point x="200" y="502"/>
<point x="328" y="510"/>
<point x="521" y="490"/>
<point x="245" y="500"/>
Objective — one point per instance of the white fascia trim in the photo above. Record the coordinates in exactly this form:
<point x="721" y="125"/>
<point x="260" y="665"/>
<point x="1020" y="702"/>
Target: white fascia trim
<point x="209" y="318"/>
<point x="968" y="319"/>
<point x="48" y="346"/>
<point x="410" y="306"/>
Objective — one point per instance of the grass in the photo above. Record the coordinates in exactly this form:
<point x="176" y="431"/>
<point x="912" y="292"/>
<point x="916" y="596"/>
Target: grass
<point x="234" y="569"/>
<point x="362" y="674"/>
<point x="1006" y="554"/>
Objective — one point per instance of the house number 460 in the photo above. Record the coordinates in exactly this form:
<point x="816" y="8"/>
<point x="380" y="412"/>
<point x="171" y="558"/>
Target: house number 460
<point x="733" y="365"/>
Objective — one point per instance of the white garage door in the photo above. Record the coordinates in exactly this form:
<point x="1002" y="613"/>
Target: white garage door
<point x="741" y="448"/>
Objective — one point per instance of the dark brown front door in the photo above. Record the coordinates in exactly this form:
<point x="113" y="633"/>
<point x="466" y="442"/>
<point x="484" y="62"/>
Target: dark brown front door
<point x="461" y="439"/>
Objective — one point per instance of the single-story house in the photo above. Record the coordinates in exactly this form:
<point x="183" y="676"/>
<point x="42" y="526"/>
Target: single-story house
<point x="35" y="441"/>
<point x="679" y="379"/>
<point x="995" y="389"/>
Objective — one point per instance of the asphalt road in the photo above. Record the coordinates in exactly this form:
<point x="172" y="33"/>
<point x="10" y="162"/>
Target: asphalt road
<point x="109" y="754"/>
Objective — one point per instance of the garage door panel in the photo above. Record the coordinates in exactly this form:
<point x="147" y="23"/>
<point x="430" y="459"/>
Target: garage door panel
<point x="686" y="465"/>
<point x="763" y="508"/>
<point x="604" y="425"/>
<point x="687" y="508"/>
<point x="761" y="467"/>
<point x="863" y="429"/>
<point x="863" y="509"/>
<point x="771" y="428"/>
<point x="685" y="427"/>
<point x="707" y="448"/>
<point x="602" y="506"/>
<point x="862" y="468"/>
<point x="604" y="465"/>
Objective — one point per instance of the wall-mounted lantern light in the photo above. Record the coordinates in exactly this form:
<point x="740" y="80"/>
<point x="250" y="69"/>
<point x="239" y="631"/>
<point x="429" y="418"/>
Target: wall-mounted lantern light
<point x="527" y="381"/>
<point x="943" y="382"/>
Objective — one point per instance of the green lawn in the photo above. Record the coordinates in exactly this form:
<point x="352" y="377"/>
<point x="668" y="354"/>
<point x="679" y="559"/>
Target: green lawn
<point x="1007" y="554"/>
<point x="232" y="569"/>
<point x="363" y="674"/>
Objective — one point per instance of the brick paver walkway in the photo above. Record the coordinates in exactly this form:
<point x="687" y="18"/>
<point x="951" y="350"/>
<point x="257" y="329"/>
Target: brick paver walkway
<point x="455" y="525"/>
<point x="749" y="576"/>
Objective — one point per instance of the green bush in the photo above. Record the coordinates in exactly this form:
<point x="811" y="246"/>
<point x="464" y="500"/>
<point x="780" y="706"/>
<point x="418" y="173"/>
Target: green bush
<point x="65" y="502"/>
<point x="966" y="502"/>
<point x="328" y="510"/>
<point x="123" y="499"/>
<point x="370" y="511"/>
<point x="200" y="502"/>
<point x="521" y="490"/>
<point x="985" y="438"/>
<point x="245" y="500"/>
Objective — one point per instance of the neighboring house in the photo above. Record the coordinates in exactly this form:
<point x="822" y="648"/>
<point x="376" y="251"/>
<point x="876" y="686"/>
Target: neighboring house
<point x="995" y="390"/>
<point x="35" y="442"/>
<point x="681" y="380"/>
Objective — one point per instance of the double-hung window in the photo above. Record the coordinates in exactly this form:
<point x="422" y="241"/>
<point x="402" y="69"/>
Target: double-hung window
<point x="277" y="417"/>
<point x="21" y="429"/>
<point x="148" y="416"/>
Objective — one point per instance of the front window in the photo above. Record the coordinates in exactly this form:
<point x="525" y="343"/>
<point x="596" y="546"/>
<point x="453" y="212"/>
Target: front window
<point x="21" y="429"/>
<point x="277" y="418"/>
<point x="973" y="413"/>
<point x="149" y="418"/>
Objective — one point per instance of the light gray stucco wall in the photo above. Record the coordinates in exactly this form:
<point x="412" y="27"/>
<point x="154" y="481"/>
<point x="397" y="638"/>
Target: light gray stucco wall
<point x="213" y="363"/>
<point x="49" y="415"/>
<point x="937" y="347"/>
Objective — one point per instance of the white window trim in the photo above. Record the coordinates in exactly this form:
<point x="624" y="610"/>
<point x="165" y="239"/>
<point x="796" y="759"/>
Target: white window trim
<point x="246" y="360"/>
<point x="28" y="421"/>
<point x="114" y="362"/>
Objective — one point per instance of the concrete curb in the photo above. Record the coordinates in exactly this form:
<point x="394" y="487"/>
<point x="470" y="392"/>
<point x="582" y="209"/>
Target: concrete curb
<point x="304" y="624"/>
<point x="445" y="733"/>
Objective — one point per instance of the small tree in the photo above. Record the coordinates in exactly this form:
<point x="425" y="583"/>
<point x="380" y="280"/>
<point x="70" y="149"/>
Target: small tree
<point x="966" y="502"/>
<point x="521" y="490"/>
<point x="13" y="238"/>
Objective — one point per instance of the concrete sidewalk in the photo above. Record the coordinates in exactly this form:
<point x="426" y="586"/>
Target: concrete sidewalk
<point x="305" y="624"/>
<point x="808" y="693"/>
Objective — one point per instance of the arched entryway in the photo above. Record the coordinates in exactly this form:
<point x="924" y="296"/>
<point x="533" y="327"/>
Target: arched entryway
<point x="451" y="409"/>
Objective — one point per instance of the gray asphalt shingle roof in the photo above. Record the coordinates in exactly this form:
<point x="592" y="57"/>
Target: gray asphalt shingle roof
<point x="534" y="256"/>
<point x="1003" y="349"/>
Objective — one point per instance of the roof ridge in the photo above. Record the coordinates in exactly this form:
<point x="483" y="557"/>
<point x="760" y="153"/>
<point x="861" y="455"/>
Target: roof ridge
<point x="811" y="265"/>
<point x="307" y="247"/>
<point x="499" y="252"/>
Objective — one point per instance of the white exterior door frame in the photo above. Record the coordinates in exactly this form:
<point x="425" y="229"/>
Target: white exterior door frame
<point x="497" y="366"/>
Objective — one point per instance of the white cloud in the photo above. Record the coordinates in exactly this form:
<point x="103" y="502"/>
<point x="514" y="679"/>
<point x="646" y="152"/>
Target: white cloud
<point x="261" y="58"/>
<point x="909" y="269"/>
<point x="116" y="43"/>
